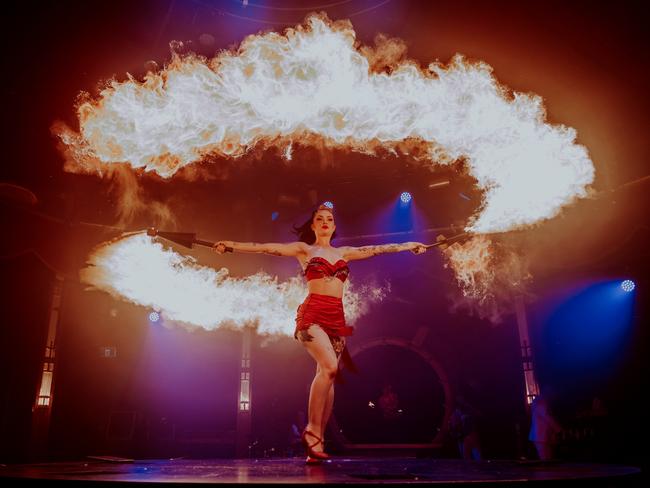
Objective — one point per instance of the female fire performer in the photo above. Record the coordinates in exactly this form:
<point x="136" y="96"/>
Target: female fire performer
<point x="320" y="321"/>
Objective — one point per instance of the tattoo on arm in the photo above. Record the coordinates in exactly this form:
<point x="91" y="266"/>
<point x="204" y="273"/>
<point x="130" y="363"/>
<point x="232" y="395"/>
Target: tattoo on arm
<point x="369" y="250"/>
<point x="393" y="247"/>
<point x="376" y="250"/>
<point x="265" y="248"/>
<point x="247" y="247"/>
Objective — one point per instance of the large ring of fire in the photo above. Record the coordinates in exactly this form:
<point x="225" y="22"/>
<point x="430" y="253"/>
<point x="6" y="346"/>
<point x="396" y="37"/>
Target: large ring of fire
<point x="316" y="85"/>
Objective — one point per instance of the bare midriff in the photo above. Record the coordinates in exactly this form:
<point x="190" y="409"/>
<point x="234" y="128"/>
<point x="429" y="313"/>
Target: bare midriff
<point x="329" y="285"/>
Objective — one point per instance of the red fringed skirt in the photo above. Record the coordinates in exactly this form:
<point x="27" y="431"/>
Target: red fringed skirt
<point x="326" y="312"/>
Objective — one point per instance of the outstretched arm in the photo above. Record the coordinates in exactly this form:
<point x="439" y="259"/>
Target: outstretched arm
<point x="351" y="253"/>
<point x="275" y="249"/>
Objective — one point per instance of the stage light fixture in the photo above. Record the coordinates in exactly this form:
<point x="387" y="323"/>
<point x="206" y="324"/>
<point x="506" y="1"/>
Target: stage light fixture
<point x="628" y="285"/>
<point x="405" y="197"/>
<point x="329" y="204"/>
<point x="154" y="317"/>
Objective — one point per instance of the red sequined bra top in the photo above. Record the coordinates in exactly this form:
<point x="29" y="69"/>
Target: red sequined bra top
<point x="318" y="267"/>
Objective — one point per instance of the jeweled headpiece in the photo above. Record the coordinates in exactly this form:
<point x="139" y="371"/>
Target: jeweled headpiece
<point x="325" y="207"/>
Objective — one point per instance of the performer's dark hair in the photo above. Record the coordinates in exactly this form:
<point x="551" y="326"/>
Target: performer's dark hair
<point x="305" y="232"/>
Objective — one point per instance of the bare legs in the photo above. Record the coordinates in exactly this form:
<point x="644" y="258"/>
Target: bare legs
<point x="321" y="394"/>
<point x="327" y="412"/>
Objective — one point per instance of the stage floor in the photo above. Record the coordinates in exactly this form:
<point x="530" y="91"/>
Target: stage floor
<point x="347" y="470"/>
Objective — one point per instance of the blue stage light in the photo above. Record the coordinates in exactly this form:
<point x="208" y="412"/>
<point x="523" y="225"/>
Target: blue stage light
<point x="405" y="197"/>
<point x="154" y="317"/>
<point x="275" y="215"/>
<point x="628" y="285"/>
<point x="329" y="204"/>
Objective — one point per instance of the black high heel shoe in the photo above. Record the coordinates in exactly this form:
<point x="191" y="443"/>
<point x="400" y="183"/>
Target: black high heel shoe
<point x="311" y="454"/>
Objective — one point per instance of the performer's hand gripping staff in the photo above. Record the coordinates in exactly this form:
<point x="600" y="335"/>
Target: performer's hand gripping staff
<point x="222" y="247"/>
<point x="442" y="242"/>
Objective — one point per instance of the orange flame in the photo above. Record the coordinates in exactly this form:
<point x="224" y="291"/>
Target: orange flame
<point x="315" y="85"/>
<point x="472" y="264"/>
<point x="489" y="275"/>
<point x="140" y="270"/>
